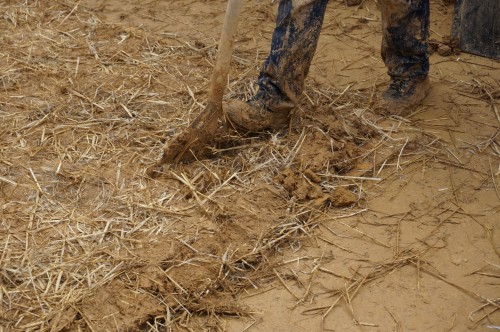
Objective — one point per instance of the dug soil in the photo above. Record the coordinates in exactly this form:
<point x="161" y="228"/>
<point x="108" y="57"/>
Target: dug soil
<point x="347" y="220"/>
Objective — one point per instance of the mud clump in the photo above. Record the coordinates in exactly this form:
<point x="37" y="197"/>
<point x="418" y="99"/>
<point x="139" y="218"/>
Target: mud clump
<point x="444" y="50"/>
<point x="448" y="46"/>
<point x="299" y="185"/>
<point x="304" y="186"/>
<point x="341" y="197"/>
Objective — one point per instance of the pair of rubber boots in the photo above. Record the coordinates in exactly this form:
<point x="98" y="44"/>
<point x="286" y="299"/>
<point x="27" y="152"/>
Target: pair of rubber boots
<point x="400" y="98"/>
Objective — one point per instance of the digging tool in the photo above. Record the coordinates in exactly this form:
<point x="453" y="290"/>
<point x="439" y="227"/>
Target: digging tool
<point x="476" y="25"/>
<point x="201" y="132"/>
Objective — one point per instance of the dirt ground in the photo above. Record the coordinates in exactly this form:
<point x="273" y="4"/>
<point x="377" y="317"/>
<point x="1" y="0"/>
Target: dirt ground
<point x="346" y="221"/>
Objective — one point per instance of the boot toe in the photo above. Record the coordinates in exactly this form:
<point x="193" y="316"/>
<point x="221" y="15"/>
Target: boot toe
<point x="252" y="117"/>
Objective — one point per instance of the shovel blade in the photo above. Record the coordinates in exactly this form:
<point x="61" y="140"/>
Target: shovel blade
<point x="194" y="142"/>
<point x="476" y="24"/>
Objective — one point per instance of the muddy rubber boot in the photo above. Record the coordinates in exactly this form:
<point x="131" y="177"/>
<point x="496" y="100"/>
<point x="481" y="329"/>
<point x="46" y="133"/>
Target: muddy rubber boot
<point x="252" y="116"/>
<point x="403" y="96"/>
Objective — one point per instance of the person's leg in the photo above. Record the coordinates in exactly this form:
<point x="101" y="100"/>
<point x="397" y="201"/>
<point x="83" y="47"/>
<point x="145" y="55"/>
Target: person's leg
<point x="292" y="49"/>
<point x="405" y="28"/>
<point x="281" y="80"/>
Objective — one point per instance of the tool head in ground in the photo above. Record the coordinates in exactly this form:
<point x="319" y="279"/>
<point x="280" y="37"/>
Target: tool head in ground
<point x="195" y="140"/>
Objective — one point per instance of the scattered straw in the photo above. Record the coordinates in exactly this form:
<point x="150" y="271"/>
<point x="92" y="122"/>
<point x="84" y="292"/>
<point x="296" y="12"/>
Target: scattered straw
<point x="88" y="242"/>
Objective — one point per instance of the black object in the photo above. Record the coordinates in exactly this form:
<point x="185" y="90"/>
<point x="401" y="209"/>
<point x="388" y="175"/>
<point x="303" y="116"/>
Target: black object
<point x="476" y="25"/>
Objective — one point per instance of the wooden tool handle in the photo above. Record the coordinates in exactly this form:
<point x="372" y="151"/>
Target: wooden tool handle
<point x="221" y="70"/>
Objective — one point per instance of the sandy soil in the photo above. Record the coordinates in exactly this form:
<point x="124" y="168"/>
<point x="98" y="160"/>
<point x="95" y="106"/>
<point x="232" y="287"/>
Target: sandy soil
<point x="347" y="221"/>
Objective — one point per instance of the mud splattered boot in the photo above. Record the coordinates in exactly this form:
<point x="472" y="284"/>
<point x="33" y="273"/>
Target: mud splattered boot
<point x="403" y="96"/>
<point x="254" y="116"/>
<point x="281" y="80"/>
<point x="405" y="51"/>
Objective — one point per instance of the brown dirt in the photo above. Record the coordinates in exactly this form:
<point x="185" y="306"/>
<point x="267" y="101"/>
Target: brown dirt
<point x="347" y="221"/>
